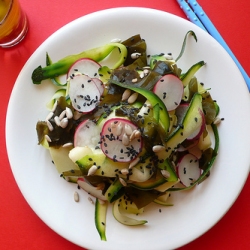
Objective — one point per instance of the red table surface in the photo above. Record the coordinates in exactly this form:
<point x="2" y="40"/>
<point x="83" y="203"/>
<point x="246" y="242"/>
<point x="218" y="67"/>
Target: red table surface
<point x="20" y="227"/>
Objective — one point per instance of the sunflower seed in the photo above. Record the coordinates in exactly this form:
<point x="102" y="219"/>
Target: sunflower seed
<point x="158" y="148"/>
<point x="57" y="121"/>
<point x="62" y="115"/>
<point x="116" y="40"/>
<point x="67" y="144"/>
<point x="49" y="125"/>
<point x="125" y="171"/>
<point x="165" y="173"/>
<point x="135" y="55"/>
<point x="69" y="113"/>
<point x="126" y="94"/>
<point x="49" y="116"/>
<point x="76" y="197"/>
<point x="64" y="122"/>
<point x="132" y="98"/>
<point x="128" y="129"/>
<point x="119" y="129"/>
<point x="125" y="140"/>
<point x="92" y="170"/>
<point x="124" y="183"/>
<point x="48" y="138"/>
<point x="133" y="163"/>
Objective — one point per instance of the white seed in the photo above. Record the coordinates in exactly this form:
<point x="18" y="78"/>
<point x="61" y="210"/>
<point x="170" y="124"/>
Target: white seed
<point x="90" y="200"/>
<point x="69" y="144"/>
<point x="133" y="163"/>
<point x="64" y="122"/>
<point x="62" y="115"/>
<point x="132" y="98"/>
<point x="49" y="125"/>
<point x="48" y="138"/>
<point x="168" y="57"/>
<point x="134" y="80"/>
<point x="125" y="171"/>
<point x="135" y="55"/>
<point x="119" y="129"/>
<point x="217" y="120"/>
<point x="54" y="106"/>
<point x="137" y="134"/>
<point x="165" y="173"/>
<point x="125" y="140"/>
<point x="128" y="129"/>
<point x="142" y="75"/>
<point x="69" y="113"/>
<point x="158" y="148"/>
<point x="76" y="197"/>
<point x="57" y="120"/>
<point x="126" y="94"/>
<point x="116" y="40"/>
<point x="124" y="183"/>
<point x="92" y="170"/>
<point x="49" y="116"/>
<point x="132" y="136"/>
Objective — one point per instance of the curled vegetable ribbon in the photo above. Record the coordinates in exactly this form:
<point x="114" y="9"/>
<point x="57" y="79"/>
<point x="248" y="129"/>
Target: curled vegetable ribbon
<point x="62" y="66"/>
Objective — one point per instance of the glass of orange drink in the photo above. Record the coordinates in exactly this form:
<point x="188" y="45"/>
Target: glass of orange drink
<point x="13" y="23"/>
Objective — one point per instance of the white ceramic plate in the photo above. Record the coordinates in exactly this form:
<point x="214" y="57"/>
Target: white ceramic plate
<point x="194" y="212"/>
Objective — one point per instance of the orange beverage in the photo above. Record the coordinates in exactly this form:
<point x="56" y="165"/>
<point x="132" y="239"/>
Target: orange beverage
<point x="13" y="23"/>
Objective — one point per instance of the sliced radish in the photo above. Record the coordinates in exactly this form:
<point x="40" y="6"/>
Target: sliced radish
<point x="85" y="66"/>
<point x="99" y="84"/>
<point x="115" y="140"/>
<point x="94" y="191"/>
<point x="87" y="134"/>
<point x="198" y="132"/>
<point x="170" y="89"/>
<point x="83" y="93"/>
<point x="188" y="169"/>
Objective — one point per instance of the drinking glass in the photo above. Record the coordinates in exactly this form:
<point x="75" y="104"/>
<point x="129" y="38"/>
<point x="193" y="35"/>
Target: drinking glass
<point x="13" y="23"/>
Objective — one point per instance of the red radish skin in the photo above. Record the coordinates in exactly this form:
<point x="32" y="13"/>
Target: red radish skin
<point x="87" y="134"/>
<point x="83" y="93"/>
<point x="85" y="66"/>
<point x="188" y="169"/>
<point x="170" y="90"/>
<point x="115" y="140"/>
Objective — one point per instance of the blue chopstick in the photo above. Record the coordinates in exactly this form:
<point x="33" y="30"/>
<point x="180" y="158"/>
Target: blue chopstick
<point x="193" y="10"/>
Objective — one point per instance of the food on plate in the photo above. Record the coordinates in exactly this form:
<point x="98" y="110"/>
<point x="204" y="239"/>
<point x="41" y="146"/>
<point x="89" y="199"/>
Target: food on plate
<point x="130" y="133"/>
